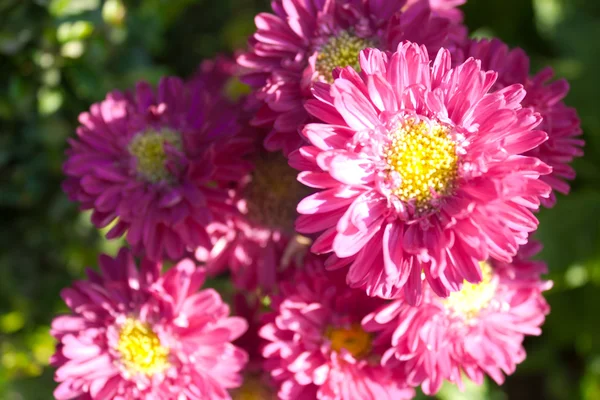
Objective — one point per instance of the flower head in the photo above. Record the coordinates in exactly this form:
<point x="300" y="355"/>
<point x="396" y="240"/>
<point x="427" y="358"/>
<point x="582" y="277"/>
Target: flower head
<point x="420" y="169"/>
<point x="476" y="331"/>
<point x="544" y="96"/>
<point x="156" y="165"/>
<point x="316" y="347"/>
<point x="135" y="334"/>
<point x="252" y="243"/>
<point x="303" y="41"/>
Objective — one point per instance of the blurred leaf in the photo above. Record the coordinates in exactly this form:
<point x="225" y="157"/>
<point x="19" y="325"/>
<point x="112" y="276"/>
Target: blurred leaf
<point x="570" y="232"/>
<point x="62" y="8"/>
<point x="49" y="100"/>
<point x="73" y="49"/>
<point x="12" y="322"/>
<point x="77" y="30"/>
<point x="548" y="13"/>
<point x="113" y="12"/>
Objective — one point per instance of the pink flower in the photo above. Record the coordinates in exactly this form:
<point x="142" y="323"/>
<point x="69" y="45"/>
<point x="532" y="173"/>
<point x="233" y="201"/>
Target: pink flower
<point x="420" y="169"/>
<point x="543" y="96"/>
<point x="134" y="334"/>
<point x="316" y="347"/>
<point x="251" y="245"/>
<point x="476" y="331"/>
<point x="445" y="8"/>
<point x="305" y="39"/>
<point x="217" y="74"/>
<point x="154" y="163"/>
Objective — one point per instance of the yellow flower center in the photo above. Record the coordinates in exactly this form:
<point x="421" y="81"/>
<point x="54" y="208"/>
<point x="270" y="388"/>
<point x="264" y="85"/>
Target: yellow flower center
<point x="148" y="148"/>
<point x="140" y="348"/>
<point x="473" y="298"/>
<point x="424" y="156"/>
<point x="252" y="389"/>
<point x="340" y="51"/>
<point x="354" y="339"/>
<point x="274" y="192"/>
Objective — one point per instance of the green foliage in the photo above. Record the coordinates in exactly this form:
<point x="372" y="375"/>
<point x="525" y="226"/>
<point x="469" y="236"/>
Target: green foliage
<point x="59" y="56"/>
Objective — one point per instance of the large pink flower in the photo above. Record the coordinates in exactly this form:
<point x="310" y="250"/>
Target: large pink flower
<point x="420" y="169"/>
<point x="543" y="96"/>
<point x="134" y="334"/>
<point x="305" y="39"/>
<point x="154" y="164"/>
<point x="476" y="331"/>
<point x="316" y="347"/>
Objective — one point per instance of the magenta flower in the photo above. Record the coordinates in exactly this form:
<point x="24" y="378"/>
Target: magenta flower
<point x="304" y="40"/>
<point x="543" y="96"/>
<point x="251" y="245"/>
<point x="445" y="8"/>
<point x="153" y="163"/>
<point x="316" y="347"/>
<point x="134" y="334"/>
<point x="476" y="331"/>
<point x="420" y="169"/>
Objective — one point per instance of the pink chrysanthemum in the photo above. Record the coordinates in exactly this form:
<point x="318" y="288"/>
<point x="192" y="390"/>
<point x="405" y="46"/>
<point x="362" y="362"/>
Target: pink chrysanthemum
<point x="421" y="170"/>
<point x="476" y="331"/>
<point x="134" y="334"/>
<point x="316" y="346"/>
<point x="445" y="8"/>
<point x="251" y="245"/>
<point x="560" y="122"/>
<point x="154" y="163"/>
<point x="305" y="39"/>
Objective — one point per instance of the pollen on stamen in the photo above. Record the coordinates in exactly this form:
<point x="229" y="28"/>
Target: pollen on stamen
<point x="473" y="297"/>
<point x="341" y="50"/>
<point x="148" y="148"/>
<point x="423" y="156"/>
<point x="353" y="339"/>
<point x="140" y="349"/>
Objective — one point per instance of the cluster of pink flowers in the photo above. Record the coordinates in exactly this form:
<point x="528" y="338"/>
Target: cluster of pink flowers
<point x="367" y="208"/>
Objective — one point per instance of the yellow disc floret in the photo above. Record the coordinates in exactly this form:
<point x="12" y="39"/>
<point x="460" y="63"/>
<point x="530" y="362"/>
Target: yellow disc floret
<point x="340" y="51"/>
<point x="148" y="148"/>
<point x="473" y="297"/>
<point x="140" y="348"/>
<point x="424" y="157"/>
<point x="354" y="339"/>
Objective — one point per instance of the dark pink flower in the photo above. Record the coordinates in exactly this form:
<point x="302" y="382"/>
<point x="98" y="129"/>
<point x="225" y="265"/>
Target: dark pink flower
<point x="216" y="74"/>
<point x="134" y="334"/>
<point x="544" y="96"/>
<point x="303" y="40"/>
<point x="154" y="164"/>
<point x="251" y="245"/>
<point x="316" y="347"/>
<point x="445" y="8"/>
<point x="420" y="169"/>
<point x="478" y="331"/>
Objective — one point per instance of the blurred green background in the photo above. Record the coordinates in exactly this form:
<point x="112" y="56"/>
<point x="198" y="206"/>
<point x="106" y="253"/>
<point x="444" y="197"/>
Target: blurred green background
<point x="59" y="56"/>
